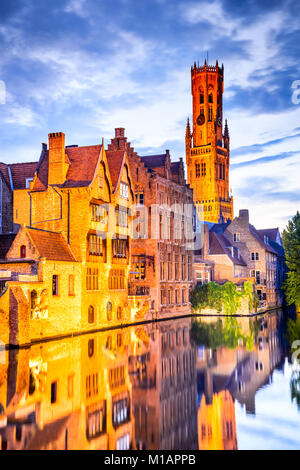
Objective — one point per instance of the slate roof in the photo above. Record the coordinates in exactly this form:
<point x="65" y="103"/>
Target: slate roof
<point x="6" y="241"/>
<point x="271" y="233"/>
<point x="50" y="245"/>
<point x="154" y="161"/>
<point x="219" y="244"/>
<point x="260" y="239"/>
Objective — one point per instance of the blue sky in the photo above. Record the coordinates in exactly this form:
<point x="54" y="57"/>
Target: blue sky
<point x="85" y="67"/>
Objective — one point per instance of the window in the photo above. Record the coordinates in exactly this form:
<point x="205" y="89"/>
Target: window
<point x="53" y="392"/>
<point x="201" y="96"/>
<point x="255" y="256"/>
<point x="139" y="268"/>
<point x="123" y="443"/>
<point x="163" y="297"/>
<point x="23" y="251"/>
<point x="109" y="311"/>
<point x="190" y="268"/>
<point x="176" y="268"/>
<point x="116" y="279"/>
<point x="121" y="216"/>
<point x="99" y="213"/>
<point x="183" y="268"/>
<point x="116" y="377"/>
<point x="124" y="190"/>
<point x="91" y="385"/>
<point x="140" y="199"/>
<point x="236" y="237"/>
<point x="119" y="247"/>
<point x="55" y="284"/>
<point x="28" y="181"/>
<point x="183" y="296"/>
<point x="71" y="284"/>
<point x="210" y="113"/>
<point x="92" y="279"/>
<point x="197" y="166"/>
<point x="91" y="314"/>
<point x="170" y="297"/>
<point x="203" y="169"/>
<point x="120" y="412"/>
<point x="169" y="266"/>
<point x="210" y="97"/>
<point x="176" y="296"/>
<point x="96" y="422"/>
<point x="96" y="245"/>
<point x="91" y="347"/>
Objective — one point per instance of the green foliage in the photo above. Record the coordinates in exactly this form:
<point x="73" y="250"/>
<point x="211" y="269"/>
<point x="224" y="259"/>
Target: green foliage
<point x="215" y="335"/>
<point x="291" y="244"/>
<point x="293" y="330"/>
<point x="216" y="296"/>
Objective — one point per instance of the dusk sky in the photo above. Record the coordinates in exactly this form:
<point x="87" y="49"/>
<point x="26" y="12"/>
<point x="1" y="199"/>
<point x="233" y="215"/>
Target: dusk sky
<point x="85" y="67"/>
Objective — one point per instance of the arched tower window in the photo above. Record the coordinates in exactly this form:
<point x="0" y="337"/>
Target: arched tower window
<point x="23" y="251"/>
<point x="201" y="95"/>
<point x="210" y="97"/>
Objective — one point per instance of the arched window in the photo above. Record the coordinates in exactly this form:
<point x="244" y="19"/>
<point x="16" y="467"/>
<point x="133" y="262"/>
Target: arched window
<point x="210" y="97"/>
<point x="109" y="311"/>
<point x="91" y="314"/>
<point x="91" y="347"/>
<point x="201" y="95"/>
<point x="33" y="299"/>
<point x="23" y="251"/>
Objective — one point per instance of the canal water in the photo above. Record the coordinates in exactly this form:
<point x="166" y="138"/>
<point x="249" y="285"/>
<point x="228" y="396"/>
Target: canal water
<point x="184" y="384"/>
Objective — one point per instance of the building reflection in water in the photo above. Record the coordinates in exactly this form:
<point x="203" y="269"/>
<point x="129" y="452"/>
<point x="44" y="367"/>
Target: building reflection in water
<point x="149" y="388"/>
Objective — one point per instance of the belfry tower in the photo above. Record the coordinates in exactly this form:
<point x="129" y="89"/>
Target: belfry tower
<point x="207" y="146"/>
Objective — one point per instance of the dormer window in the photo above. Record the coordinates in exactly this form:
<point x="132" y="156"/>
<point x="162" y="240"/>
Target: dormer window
<point x="236" y="237"/>
<point x="124" y="190"/>
<point x="28" y="181"/>
<point x="266" y="239"/>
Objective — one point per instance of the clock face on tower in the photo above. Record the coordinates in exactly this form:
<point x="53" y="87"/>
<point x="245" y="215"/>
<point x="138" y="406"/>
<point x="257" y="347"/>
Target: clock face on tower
<point x="201" y="120"/>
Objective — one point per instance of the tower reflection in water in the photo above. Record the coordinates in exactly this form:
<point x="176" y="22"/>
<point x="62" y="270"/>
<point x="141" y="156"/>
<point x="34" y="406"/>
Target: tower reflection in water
<point x="150" y="387"/>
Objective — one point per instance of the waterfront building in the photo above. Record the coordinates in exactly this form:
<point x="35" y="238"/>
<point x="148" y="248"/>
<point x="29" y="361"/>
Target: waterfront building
<point x="73" y="244"/>
<point x="162" y="258"/>
<point x="208" y="146"/>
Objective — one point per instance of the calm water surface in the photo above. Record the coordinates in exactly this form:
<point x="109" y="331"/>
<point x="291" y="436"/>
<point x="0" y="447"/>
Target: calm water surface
<point x="218" y="384"/>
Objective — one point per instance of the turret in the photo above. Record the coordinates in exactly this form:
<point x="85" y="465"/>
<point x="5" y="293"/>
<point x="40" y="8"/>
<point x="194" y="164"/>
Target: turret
<point x="226" y="136"/>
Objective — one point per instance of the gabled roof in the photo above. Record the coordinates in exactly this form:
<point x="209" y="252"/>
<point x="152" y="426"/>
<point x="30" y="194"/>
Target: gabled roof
<point x="4" y="172"/>
<point x="219" y="244"/>
<point x="272" y="234"/>
<point x="50" y="245"/>
<point x="115" y="160"/>
<point x="83" y="163"/>
<point x="260" y="239"/>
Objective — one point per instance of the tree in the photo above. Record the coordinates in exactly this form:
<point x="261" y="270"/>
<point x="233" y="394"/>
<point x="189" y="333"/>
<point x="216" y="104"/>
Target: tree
<point x="291" y="244"/>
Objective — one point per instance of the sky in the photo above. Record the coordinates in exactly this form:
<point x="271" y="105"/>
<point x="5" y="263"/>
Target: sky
<point x="85" y="67"/>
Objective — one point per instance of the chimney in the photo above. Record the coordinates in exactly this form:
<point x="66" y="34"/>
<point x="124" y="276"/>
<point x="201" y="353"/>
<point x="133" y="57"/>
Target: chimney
<point x="58" y="160"/>
<point x="244" y="216"/>
<point x="119" y="132"/>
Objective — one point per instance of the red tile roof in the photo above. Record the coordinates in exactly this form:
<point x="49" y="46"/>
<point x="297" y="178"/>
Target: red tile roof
<point x="114" y="160"/>
<point x="20" y="172"/>
<point x="51" y="245"/>
<point x="83" y="163"/>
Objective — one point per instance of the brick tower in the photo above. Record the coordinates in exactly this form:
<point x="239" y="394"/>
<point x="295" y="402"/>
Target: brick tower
<point x="207" y="146"/>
